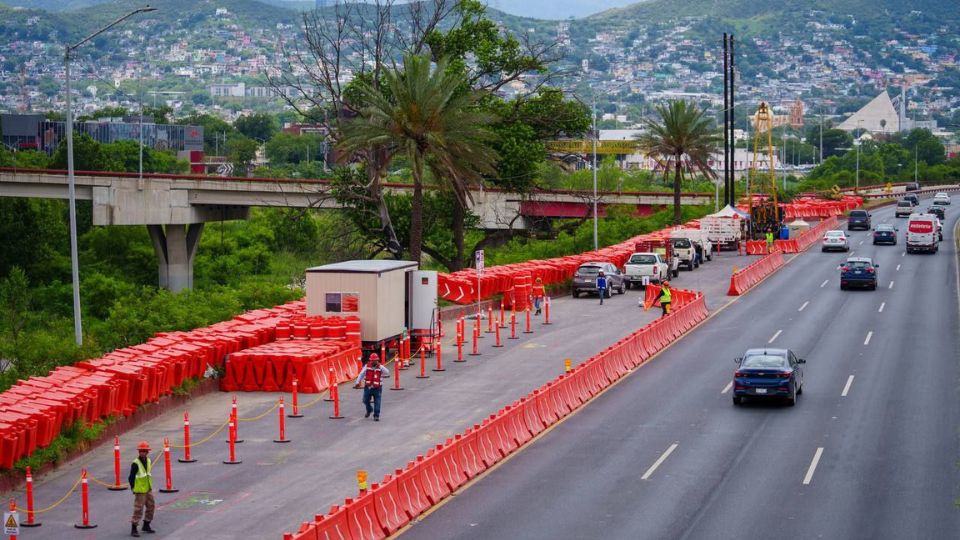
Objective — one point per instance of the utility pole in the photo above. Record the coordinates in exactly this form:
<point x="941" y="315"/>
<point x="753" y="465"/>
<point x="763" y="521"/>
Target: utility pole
<point x="857" y="141"/>
<point x="595" y="135"/>
<point x="821" y="134"/>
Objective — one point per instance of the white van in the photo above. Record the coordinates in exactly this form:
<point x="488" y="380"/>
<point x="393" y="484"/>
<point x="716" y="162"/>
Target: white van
<point x="923" y="235"/>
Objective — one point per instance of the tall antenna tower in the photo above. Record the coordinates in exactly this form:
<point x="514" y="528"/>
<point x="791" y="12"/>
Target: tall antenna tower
<point x="24" y="105"/>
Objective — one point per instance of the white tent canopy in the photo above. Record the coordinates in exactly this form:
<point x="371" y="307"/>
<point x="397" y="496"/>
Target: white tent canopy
<point x="731" y="212"/>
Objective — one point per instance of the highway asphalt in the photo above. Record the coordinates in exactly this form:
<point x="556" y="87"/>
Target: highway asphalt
<point x="870" y="451"/>
<point x="279" y="485"/>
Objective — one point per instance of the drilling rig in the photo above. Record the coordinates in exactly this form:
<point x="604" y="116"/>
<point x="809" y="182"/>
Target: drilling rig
<point x="765" y="212"/>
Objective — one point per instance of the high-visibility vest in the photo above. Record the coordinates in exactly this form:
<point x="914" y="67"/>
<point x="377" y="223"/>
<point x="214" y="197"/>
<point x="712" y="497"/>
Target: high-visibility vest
<point x="664" y="295"/>
<point x="372" y="377"/>
<point x="769" y="237"/>
<point x="143" y="482"/>
<point x="538" y="291"/>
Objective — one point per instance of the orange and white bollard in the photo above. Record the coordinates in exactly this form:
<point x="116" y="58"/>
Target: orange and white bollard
<point x="236" y="422"/>
<point x="502" y="320"/>
<point x="423" y="362"/>
<point x="476" y="336"/>
<point x="232" y="440"/>
<point x="497" y="335"/>
<point x="459" y="348"/>
<point x="528" y="330"/>
<point x="186" y="440"/>
<point x="396" y="381"/>
<point x="282" y="428"/>
<point x="513" y="325"/>
<point x="476" y="326"/>
<point x="295" y="400"/>
<point x="546" y="310"/>
<point x="167" y="470"/>
<point x="30" y="515"/>
<point x="117" y="486"/>
<point x="331" y="384"/>
<point x="335" y="390"/>
<point x="489" y="319"/>
<point x="439" y="352"/>
<point x="84" y="503"/>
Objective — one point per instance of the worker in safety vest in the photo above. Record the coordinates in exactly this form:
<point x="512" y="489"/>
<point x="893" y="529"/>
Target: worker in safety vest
<point x="538" y="295"/>
<point x="141" y="483"/>
<point x="665" y="298"/>
<point x="601" y="285"/>
<point x="769" y="241"/>
<point x="372" y="377"/>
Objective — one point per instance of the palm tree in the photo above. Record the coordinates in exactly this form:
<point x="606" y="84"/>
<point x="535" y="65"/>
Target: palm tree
<point x="684" y="137"/>
<point x="426" y="115"/>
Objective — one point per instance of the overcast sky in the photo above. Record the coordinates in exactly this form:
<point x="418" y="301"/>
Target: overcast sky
<point x="556" y="9"/>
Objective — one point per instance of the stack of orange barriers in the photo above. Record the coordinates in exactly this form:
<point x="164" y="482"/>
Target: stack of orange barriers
<point x="430" y="478"/>
<point x="34" y="411"/>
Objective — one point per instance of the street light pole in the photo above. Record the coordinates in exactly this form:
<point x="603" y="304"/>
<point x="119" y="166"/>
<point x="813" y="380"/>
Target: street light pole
<point x="71" y="180"/>
<point x="595" y="135"/>
<point x="858" y="142"/>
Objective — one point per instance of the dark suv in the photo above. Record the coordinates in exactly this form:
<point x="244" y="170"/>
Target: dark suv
<point x="912" y="197"/>
<point x="858" y="219"/>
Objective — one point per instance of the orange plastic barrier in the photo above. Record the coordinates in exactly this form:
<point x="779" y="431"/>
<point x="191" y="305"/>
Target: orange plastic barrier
<point x="432" y="477"/>
<point x="756" y="247"/>
<point x="787" y="246"/>
<point x="753" y="273"/>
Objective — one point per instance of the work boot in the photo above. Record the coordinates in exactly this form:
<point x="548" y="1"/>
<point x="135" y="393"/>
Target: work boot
<point x="133" y="530"/>
<point x="146" y="527"/>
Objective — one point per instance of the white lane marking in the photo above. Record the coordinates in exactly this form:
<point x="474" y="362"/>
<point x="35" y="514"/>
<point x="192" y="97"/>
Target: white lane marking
<point x="861" y="242"/>
<point x="846" y="387"/>
<point x="881" y="307"/>
<point x="775" y="336"/>
<point x="659" y="461"/>
<point x="898" y="268"/>
<point x="869" y="335"/>
<point x="813" y="466"/>
<point x="727" y="387"/>
<point x="891" y="285"/>
<point x="824" y="284"/>
<point x="904" y="254"/>
<point x="851" y="253"/>
<point x="804" y="305"/>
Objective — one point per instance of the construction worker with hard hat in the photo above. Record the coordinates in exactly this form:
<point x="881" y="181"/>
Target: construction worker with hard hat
<point x="141" y="483"/>
<point x="665" y="298"/>
<point x="372" y="377"/>
<point x="538" y="294"/>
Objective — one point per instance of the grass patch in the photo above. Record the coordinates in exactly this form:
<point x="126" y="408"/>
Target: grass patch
<point x="186" y="387"/>
<point x="71" y="438"/>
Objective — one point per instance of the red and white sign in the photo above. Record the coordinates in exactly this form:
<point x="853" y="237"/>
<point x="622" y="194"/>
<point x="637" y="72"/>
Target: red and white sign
<point x="920" y="227"/>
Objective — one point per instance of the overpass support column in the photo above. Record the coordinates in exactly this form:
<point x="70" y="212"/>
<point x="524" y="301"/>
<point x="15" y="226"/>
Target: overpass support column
<point x="175" y="248"/>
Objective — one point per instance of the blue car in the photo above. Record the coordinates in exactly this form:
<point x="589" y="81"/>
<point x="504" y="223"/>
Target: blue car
<point x="885" y="234"/>
<point x="859" y="272"/>
<point x="768" y="373"/>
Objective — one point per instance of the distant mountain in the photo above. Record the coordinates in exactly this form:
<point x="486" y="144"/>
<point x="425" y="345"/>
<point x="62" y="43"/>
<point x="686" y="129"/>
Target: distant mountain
<point x="53" y="5"/>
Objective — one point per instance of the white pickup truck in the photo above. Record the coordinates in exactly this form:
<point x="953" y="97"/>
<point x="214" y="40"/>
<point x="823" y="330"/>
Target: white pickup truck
<point x="696" y="240"/>
<point x="647" y="267"/>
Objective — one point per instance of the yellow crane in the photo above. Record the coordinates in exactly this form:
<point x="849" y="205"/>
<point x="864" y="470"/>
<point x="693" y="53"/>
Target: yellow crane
<point x="764" y="213"/>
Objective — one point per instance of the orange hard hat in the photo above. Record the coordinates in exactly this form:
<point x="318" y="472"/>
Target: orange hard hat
<point x="667" y="283"/>
<point x="375" y="356"/>
<point x="144" y="445"/>
<point x="539" y="280"/>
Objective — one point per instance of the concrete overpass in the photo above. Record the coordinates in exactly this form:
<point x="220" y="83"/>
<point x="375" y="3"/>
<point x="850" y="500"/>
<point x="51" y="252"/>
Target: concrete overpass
<point x="175" y="207"/>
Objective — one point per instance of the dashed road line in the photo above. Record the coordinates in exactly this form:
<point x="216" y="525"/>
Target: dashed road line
<point x="861" y="242"/>
<point x="659" y="461"/>
<point x="891" y="285"/>
<point x="904" y="254"/>
<point x="727" y="387"/>
<point x="898" y="268"/>
<point x="804" y="305"/>
<point x="881" y="307"/>
<point x="869" y="335"/>
<point x="824" y="284"/>
<point x="846" y="387"/>
<point x="813" y="466"/>
<point x="775" y="336"/>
